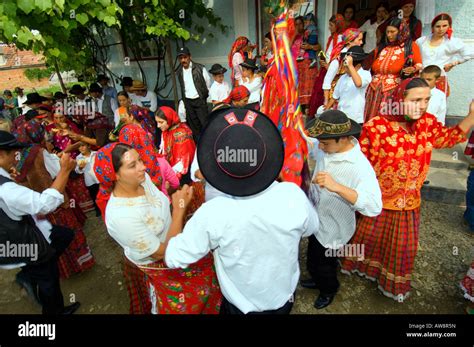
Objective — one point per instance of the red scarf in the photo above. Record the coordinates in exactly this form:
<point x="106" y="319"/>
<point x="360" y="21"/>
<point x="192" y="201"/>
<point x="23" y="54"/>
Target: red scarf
<point x="340" y="26"/>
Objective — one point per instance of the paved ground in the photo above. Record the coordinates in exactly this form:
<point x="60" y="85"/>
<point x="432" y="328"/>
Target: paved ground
<point x="446" y="250"/>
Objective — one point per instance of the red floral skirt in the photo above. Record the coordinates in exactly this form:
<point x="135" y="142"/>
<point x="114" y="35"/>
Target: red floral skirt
<point x="390" y="244"/>
<point x="194" y="290"/>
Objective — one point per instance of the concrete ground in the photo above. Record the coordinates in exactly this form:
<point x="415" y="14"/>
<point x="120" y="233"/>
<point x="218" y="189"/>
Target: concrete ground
<point x="446" y="250"/>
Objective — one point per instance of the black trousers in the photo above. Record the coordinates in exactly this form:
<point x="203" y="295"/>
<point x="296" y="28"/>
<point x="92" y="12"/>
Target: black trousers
<point x="196" y="115"/>
<point x="93" y="190"/>
<point x="44" y="277"/>
<point x="228" y="308"/>
<point x="322" y="269"/>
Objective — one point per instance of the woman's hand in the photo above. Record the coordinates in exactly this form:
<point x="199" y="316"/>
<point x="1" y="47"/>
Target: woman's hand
<point x="74" y="136"/>
<point x="409" y="70"/>
<point x="323" y="64"/>
<point x="449" y="66"/>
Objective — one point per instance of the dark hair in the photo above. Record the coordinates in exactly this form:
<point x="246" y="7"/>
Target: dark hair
<point x="353" y="10"/>
<point x="394" y="22"/>
<point x="412" y="20"/>
<point x="268" y="36"/>
<point x="160" y="114"/>
<point x="123" y="93"/>
<point x="432" y="69"/>
<point x="301" y="18"/>
<point x="381" y="4"/>
<point x="117" y="154"/>
<point x="442" y="16"/>
<point x="333" y="18"/>
<point x="416" y="83"/>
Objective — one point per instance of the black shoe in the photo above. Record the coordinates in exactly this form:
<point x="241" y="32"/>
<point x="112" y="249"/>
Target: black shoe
<point x="71" y="308"/>
<point x="309" y="283"/>
<point x="30" y="288"/>
<point x="323" y="300"/>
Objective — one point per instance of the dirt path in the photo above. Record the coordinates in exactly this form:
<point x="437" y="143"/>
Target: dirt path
<point x="445" y="255"/>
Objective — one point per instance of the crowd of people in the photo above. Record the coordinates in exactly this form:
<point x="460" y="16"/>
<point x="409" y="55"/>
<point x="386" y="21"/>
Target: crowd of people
<point x="205" y="235"/>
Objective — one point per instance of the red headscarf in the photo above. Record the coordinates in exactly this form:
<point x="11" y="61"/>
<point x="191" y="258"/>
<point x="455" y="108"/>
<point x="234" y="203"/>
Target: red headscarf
<point x="237" y="94"/>
<point x="340" y="26"/>
<point x="238" y="46"/>
<point x="349" y="35"/>
<point x="395" y="110"/>
<point x="105" y="173"/>
<point x="178" y="141"/>
<point x="450" y="21"/>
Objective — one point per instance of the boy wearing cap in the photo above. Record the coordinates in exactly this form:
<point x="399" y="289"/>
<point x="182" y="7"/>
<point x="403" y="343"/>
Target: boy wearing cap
<point x="220" y="89"/>
<point x="343" y="183"/>
<point x="254" y="230"/>
<point x="351" y="87"/>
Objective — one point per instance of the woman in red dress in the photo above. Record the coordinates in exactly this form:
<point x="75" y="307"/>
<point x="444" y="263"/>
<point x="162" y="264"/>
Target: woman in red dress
<point x="177" y="143"/>
<point x="398" y="144"/>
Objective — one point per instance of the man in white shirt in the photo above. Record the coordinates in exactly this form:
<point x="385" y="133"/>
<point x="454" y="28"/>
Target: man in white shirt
<point x="437" y="104"/>
<point x="22" y="107"/>
<point x="256" y="229"/>
<point x="351" y="87"/>
<point x="343" y="183"/>
<point x="143" y="97"/>
<point x="102" y="103"/>
<point x="194" y="82"/>
<point x="20" y="209"/>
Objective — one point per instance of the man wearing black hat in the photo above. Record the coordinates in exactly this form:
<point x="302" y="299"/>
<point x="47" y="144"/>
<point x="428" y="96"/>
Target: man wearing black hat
<point x="343" y="182"/>
<point x="255" y="231"/>
<point x="103" y="81"/>
<point x="104" y="104"/>
<point x="194" y="82"/>
<point x="21" y="227"/>
<point x="21" y="98"/>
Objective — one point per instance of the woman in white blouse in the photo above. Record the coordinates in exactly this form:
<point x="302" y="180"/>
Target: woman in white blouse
<point x="138" y="217"/>
<point x="443" y="50"/>
<point x="371" y="25"/>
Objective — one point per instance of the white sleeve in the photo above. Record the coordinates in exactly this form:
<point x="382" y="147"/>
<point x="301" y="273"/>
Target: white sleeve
<point x="194" y="168"/>
<point x="311" y="225"/>
<point x="78" y="170"/>
<point x="366" y="77"/>
<point x="154" y="102"/>
<point x="24" y="201"/>
<point x="332" y="72"/>
<point x="207" y="78"/>
<point x="369" y="197"/>
<point x="337" y="90"/>
<point x="51" y="163"/>
<point x="365" y="26"/>
<point x="116" y="117"/>
<point x="113" y="104"/>
<point x="213" y="93"/>
<point x="465" y="52"/>
<point x="442" y="110"/>
<point x="313" y="147"/>
<point x="193" y="243"/>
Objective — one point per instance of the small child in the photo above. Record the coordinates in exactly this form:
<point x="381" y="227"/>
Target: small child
<point x="220" y="89"/>
<point x="351" y="87"/>
<point x="85" y="162"/>
<point x="311" y="38"/>
<point x="437" y="104"/>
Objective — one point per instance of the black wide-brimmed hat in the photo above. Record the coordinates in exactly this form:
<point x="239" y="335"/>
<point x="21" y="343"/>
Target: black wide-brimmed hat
<point x="34" y="98"/>
<point x="332" y="124"/>
<point x="127" y="81"/>
<point x="95" y="88"/>
<point x="102" y="77"/>
<point x="8" y="141"/>
<point x="357" y="53"/>
<point x="217" y="69"/>
<point x="240" y="151"/>
<point x="249" y="64"/>
<point x="77" y="89"/>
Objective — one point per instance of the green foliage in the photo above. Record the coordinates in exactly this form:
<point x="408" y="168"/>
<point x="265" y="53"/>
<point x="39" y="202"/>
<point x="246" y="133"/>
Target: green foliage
<point x="62" y="30"/>
<point x="37" y="74"/>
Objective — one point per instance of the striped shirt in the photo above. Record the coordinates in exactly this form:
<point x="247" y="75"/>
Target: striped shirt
<point x="337" y="215"/>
